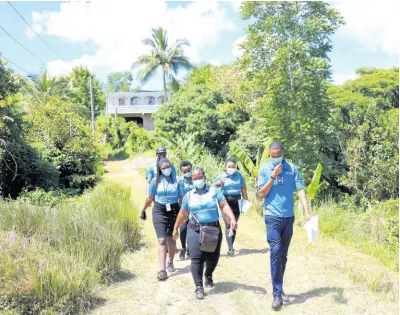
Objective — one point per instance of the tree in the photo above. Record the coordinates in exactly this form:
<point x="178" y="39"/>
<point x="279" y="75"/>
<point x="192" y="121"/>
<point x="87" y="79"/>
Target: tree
<point x="365" y="130"/>
<point x="169" y="59"/>
<point x="10" y="83"/>
<point x="79" y="81"/>
<point x="119" y="82"/>
<point x="288" y="71"/>
<point x="198" y="108"/>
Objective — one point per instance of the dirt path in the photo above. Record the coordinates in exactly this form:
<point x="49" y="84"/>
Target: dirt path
<point x="317" y="277"/>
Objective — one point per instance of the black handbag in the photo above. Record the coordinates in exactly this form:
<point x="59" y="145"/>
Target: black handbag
<point x="209" y="236"/>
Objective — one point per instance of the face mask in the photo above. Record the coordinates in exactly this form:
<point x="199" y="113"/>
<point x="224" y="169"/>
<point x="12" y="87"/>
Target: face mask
<point x="188" y="175"/>
<point x="167" y="171"/>
<point x="230" y="170"/>
<point x="277" y="161"/>
<point x="199" y="183"/>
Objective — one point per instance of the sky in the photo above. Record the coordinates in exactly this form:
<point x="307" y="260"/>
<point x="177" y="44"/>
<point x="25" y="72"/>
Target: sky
<point x="106" y="35"/>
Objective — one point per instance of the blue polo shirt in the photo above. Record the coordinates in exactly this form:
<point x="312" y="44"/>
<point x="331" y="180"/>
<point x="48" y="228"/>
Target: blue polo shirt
<point x="233" y="183"/>
<point x="151" y="171"/>
<point x="167" y="190"/>
<point x="280" y="202"/>
<point x="185" y="186"/>
<point x="204" y="206"/>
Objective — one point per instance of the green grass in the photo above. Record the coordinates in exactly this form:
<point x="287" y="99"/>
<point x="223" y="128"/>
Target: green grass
<point x="53" y="259"/>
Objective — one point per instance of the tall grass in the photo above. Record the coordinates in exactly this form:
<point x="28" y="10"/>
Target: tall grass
<point x="374" y="232"/>
<point x="53" y="258"/>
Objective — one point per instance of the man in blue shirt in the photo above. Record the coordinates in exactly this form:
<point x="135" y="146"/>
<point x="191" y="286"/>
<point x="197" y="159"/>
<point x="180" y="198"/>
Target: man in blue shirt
<point x="277" y="181"/>
<point x="202" y="202"/>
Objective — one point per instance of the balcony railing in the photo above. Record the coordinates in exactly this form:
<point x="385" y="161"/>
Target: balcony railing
<point x="133" y="109"/>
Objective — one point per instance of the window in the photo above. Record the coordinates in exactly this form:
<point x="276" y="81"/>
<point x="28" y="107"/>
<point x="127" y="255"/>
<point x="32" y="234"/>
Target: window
<point x="121" y="101"/>
<point x="160" y="100"/>
<point x="135" y="100"/>
<point x="111" y="101"/>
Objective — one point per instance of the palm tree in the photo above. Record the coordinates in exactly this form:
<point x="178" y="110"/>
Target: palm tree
<point x="170" y="59"/>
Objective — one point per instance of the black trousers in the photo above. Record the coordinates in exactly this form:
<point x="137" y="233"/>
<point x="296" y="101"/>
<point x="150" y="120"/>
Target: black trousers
<point x="183" y="233"/>
<point x="233" y="202"/>
<point x="199" y="258"/>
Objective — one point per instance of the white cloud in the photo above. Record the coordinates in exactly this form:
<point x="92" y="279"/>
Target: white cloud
<point x="236" y="4"/>
<point x="215" y="62"/>
<point x="340" y="78"/>
<point x="373" y="24"/>
<point x="236" y="50"/>
<point x="117" y="28"/>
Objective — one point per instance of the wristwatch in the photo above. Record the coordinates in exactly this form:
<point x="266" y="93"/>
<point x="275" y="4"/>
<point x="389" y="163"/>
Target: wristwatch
<point x="273" y="177"/>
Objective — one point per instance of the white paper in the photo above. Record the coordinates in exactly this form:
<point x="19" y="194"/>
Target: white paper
<point x="244" y="205"/>
<point x="230" y="233"/>
<point x="312" y="230"/>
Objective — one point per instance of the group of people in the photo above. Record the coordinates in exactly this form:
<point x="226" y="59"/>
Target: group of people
<point x="189" y="207"/>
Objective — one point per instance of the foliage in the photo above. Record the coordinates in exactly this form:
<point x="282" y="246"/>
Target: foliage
<point x="170" y="59"/>
<point x="315" y="186"/>
<point x="54" y="258"/>
<point x="199" y="109"/>
<point x="10" y="83"/>
<point x="285" y="56"/>
<point x="365" y="128"/>
<point x="64" y="139"/>
<point x="119" y="82"/>
<point x="119" y="134"/>
<point x="375" y="232"/>
<point x="79" y="83"/>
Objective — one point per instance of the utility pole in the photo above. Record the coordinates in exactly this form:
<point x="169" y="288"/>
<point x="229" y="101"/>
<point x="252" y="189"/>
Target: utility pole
<point x="92" y="105"/>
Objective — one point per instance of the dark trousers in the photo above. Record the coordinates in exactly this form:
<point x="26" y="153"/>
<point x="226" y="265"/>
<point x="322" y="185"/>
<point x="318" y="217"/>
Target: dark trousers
<point x="279" y="234"/>
<point x="183" y="232"/>
<point x="233" y="202"/>
<point x="199" y="258"/>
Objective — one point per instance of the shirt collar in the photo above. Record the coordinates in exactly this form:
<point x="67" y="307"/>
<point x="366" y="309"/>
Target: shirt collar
<point x="205" y="191"/>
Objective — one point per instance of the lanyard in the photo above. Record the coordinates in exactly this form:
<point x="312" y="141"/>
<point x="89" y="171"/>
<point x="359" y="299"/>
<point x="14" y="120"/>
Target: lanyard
<point x="165" y="189"/>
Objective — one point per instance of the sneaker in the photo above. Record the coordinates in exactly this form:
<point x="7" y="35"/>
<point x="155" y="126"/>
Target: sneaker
<point x="285" y="298"/>
<point x="231" y="253"/>
<point x="209" y="282"/>
<point x="162" y="275"/>
<point x="277" y="303"/>
<point x="182" y="254"/>
<point x="171" y="267"/>
<point x="199" y="293"/>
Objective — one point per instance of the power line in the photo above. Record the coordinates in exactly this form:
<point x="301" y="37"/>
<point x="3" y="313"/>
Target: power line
<point x="41" y="61"/>
<point x="34" y="30"/>
<point x="2" y="56"/>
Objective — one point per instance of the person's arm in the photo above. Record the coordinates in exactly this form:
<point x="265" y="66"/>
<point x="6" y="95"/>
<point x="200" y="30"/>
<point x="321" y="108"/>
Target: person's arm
<point x="265" y="189"/>
<point x="303" y="200"/>
<point x="219" y="181"/>
<point x="228" y="212"/>
<point x="182" y="216"/>
<point x="243" y="187"/>
<point x="147" y="203"/>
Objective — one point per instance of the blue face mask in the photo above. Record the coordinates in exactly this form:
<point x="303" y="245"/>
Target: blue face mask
<point x="277" y="161"/>
<point x="188" y="175"/>
<point x="167" y="171"/>
<point x="199" y="183"/>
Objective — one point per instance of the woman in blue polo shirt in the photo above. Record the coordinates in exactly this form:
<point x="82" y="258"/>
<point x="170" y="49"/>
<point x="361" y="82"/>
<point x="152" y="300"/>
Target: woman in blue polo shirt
<point x="165" y="192"/>
<point x="233" y="186"/>
<point x="185" y="185"/>
<point x="201" y="202"/>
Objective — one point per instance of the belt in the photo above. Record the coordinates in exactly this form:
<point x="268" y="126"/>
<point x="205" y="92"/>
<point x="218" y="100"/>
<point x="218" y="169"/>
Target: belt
<point x="216" y="223"/>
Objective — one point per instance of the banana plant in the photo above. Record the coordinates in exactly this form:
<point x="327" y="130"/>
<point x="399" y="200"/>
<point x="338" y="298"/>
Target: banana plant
<point x="182" y="148"/>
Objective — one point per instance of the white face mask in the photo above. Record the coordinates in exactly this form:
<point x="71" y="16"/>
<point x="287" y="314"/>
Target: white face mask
<point x="231" y="170"/>
<point x="199" y="183"/>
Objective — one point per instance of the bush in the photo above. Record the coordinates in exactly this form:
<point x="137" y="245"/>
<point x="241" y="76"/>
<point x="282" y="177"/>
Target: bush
<point x="375" y="231"/>
<point x="64" y="251"/>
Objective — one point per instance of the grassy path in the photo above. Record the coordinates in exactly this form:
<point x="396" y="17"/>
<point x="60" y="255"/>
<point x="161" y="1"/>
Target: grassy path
<point x="320" y="279"/>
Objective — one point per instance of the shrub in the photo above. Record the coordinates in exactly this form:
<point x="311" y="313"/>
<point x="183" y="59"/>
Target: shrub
<point x="63" y="250"/>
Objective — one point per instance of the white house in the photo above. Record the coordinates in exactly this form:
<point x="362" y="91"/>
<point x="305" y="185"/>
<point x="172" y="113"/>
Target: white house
<point x="135" y="106"/>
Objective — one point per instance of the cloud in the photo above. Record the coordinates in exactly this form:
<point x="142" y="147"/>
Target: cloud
<point x="236" y="4"/>
<point x="215" y="62"/>
<point x="117" y="34"/>
<point x="374" y="25"/>
<point x="340" y="78"/>
<point x="236" y="50"/>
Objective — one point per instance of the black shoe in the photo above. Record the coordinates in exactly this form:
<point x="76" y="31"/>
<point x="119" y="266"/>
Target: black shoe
<point x="182" y="254"/>
<point x="162" y="275"/>
<point x="171" y="267"/>
<point x="209" y="282"/>
<point x="231" y="253"/>
<point x="199" y="293"/>
<point x="187" y="253"/>
<point x="285" y="298"/>
<point x="277" y="303"/>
